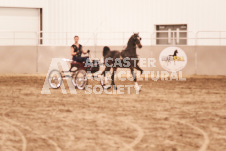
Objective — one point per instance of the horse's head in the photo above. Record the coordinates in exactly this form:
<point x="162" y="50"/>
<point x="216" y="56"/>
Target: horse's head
<point x="137" y="40"/>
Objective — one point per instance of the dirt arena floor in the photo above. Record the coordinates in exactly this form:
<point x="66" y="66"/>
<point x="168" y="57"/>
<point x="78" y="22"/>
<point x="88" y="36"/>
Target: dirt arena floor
<point x="166" y="116"/>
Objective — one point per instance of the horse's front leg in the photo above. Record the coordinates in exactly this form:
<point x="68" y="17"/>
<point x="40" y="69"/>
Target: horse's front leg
<point x="134" y="79"/>
<point x="105" y="70"/>
<point x="138" y="68"/>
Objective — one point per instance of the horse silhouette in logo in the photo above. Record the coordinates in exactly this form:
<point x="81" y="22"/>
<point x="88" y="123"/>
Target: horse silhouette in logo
<point x="170" y="58"/>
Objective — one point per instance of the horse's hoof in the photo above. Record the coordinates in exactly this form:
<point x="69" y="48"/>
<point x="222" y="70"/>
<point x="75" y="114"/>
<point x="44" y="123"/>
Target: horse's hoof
<point x="137" y="88"/>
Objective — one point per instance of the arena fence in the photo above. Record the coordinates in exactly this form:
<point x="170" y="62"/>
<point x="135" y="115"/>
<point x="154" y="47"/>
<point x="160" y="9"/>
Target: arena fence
<point x="44" y="38"/>
<point x="202" y="60"/>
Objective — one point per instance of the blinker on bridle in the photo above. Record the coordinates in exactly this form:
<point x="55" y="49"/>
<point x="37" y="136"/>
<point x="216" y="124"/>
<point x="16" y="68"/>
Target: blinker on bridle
<point x="139" y="37"/>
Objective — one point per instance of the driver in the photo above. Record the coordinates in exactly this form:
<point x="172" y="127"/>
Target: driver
<point x="77" y="50"/>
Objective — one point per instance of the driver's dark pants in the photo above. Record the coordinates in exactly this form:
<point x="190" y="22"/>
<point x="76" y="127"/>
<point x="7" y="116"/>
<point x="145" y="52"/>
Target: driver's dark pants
<point x="81" y="59"/>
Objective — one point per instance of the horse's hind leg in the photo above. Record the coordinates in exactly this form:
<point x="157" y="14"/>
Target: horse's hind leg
<point x="113" y="78"/>
<point x="106" y="69"/>
<point x="134" y="79"/>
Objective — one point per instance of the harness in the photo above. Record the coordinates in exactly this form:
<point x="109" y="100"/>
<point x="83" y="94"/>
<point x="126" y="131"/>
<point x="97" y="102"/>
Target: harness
<point x="124" y="54"/>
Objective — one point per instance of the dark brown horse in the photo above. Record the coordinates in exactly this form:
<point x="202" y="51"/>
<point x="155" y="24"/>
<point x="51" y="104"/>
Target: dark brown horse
<point x="125" y="59"/>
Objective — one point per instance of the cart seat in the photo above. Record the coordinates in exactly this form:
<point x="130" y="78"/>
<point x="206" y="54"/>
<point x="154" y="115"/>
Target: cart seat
<point x="79" y="65"/>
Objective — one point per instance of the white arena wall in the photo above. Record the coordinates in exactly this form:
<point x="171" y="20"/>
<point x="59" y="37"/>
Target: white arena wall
<point x="96" y="16"/>
<point x="111" y="22"/>
<point x="202" y="60"/>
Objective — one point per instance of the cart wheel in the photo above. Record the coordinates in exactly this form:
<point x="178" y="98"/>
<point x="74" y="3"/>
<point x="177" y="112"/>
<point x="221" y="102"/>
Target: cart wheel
<point x="55" y="79"/>
<point x="74" y="73"/>
<point x="80" y="79"/>
<point x="106" y="81"/>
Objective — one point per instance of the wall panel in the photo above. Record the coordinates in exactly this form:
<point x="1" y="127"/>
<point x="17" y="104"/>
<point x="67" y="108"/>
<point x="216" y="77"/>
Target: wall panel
<point x="124" y="16"/>
<point x="202" y="60"/>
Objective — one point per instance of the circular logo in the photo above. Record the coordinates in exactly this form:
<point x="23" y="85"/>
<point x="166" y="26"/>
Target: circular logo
<point x="173" y="59"/>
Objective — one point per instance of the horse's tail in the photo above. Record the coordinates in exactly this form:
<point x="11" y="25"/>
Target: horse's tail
<point x="106" y="50"/>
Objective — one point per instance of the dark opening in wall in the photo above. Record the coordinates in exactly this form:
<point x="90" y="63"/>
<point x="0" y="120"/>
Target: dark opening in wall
<point x="175" y="34"/>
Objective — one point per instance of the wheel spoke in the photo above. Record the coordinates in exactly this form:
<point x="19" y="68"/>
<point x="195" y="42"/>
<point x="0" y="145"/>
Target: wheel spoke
<point x="55" y="79"/>
<point x="80" y="79"/>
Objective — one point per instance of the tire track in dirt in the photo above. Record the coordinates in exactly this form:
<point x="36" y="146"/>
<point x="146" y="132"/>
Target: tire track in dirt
<point x="68" y="131"/>
<point x="3" y="138"/>
<point x="24" y="140"/>
<point x="205" y="135"/>
<point x="80" y="144"/>
<point x="129" y="123"/>
<point x="115" y="139"/>
<point x="10" y="148"/>
<point x="53" y="114"/>
<point x="29" y="129"/>
<point x="67" y="146"/>
<point x="119" y="141"/>
<point x="139" y="130"/>
<point x="219" y="133"/>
